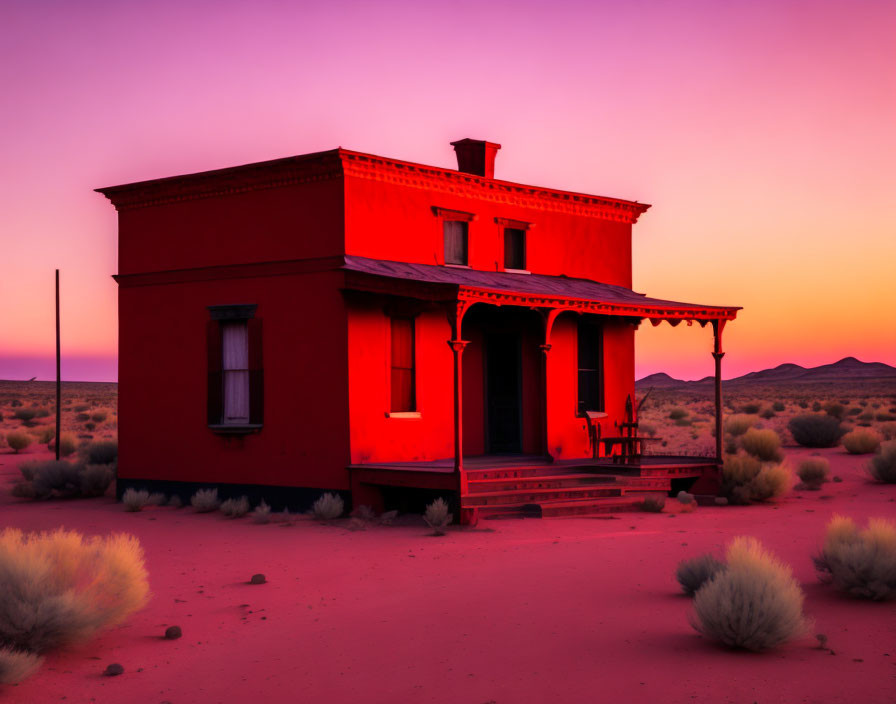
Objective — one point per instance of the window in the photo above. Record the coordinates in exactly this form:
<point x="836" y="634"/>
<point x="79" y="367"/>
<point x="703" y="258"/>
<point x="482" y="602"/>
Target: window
<point x="514" y="248"/>
<point x="235" y="376"/>
<point x="455" y="235"/>
<point x="404" y="392"/>
<point x="590" y="367"/>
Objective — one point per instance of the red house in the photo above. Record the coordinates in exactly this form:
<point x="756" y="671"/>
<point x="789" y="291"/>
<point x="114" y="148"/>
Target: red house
<point x="391" y="331"/>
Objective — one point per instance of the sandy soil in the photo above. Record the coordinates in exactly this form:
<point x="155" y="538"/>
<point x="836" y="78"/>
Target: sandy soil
<point x="574" y="610"/>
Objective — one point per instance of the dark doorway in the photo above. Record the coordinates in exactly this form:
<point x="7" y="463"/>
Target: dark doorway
<point x="503" y="392"/>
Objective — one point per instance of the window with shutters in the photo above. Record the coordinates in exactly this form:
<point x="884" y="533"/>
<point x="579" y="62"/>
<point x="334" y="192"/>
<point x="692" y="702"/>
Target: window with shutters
<point x="590" y="367"/>
<point x="403" y="373"/>
<point x="235" y="374"/>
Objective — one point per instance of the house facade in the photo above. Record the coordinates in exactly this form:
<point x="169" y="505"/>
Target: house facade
<point x="346" y="322"/>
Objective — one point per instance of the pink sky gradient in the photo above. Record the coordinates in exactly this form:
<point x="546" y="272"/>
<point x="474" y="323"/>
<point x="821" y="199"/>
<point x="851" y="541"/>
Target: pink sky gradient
<point x="762" y="133"/>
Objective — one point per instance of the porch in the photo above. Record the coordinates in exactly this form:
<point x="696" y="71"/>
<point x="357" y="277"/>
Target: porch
<point x="535" y="486"/>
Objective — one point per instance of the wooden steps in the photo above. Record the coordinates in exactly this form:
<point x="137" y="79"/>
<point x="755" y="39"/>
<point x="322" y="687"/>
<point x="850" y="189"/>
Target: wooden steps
<point x="564" y="491"/>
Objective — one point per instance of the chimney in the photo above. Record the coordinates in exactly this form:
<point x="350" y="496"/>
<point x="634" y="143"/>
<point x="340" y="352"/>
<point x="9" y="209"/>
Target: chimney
<point x="475" y="156"/>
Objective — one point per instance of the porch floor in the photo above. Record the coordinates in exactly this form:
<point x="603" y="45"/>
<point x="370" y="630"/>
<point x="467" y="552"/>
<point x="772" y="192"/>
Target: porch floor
<point x="535" y="486"/>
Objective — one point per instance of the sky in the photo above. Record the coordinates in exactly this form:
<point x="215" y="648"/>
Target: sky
<point x="761" y="131"/>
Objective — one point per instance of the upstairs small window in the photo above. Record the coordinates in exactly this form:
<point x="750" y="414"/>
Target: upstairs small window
<point x="455" y="234"/>
<point x="590" y="367"/>
<point x="403" y="378"/>
<point x="235" y="375"/>
<point x="514" y="248"/>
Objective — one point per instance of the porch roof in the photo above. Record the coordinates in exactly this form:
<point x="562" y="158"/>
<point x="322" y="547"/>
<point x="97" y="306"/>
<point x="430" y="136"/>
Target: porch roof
<point x="508" y="288"/>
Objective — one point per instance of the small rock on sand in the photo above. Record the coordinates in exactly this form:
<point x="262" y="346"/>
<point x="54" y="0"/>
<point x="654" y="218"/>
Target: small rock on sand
<point x="113" y="670"/>
<point x="173" y="632"/>
<point x="258" y="579"/>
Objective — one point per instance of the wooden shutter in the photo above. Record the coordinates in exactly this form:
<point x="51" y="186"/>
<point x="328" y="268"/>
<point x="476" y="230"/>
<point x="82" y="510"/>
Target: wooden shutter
<point x="256" y="373"/>
<point x="214" y="343"/>
<point x="403" y="372"/>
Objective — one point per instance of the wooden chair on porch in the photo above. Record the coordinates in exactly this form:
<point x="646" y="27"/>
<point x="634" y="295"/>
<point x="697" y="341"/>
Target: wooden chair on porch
<point x="629" y="442"/>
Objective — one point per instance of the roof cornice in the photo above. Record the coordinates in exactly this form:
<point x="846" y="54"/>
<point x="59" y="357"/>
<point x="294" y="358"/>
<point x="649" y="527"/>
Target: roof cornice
<point x="336" y="163"/>
<point x="308" y="168"/>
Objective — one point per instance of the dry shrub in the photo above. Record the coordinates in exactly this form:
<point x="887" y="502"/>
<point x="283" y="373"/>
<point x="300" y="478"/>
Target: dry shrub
<point x="60" y="588"/>
<point x="101" y="452"/>
<point x="205" y="500"/>
<point x="52" y="479"/>
<point x="235" y="508"/>
<point x="437" y="516"/>
<point x="328" y="507"/>
<point x="26" y="415"/>
<point x="18" y="440"/>
<point x="678" y="414"/>
<point x="694" y="573"/>
<point x="68" y="443"/>
<point x="815" y="430"/>
<point x="738" y="424"/>
<point x="813" y="472"/>
<point x="861" y="441"/>
<point x="261" y="513"/>
<point x="44" y="434"/>
<point x="99" y="416"/>
<point x="746" y="479"/>
<point x="16" y="665"/>
<point x="135" y="500"/>
<point x="754" y="604"/>
<point x="764" y="444"/>
<point x="887" y="431"/>
<point x="772" y="482"/>
<point x="652" y="504"/>
<point x="883" y="465"/>
<point x="862" y="564"/>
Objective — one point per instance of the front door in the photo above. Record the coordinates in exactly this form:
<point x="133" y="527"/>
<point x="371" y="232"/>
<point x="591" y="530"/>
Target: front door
<point x="503" y="392"/>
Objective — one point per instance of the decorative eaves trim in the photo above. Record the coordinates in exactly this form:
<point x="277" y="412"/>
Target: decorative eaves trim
<point x="334" y="164"/>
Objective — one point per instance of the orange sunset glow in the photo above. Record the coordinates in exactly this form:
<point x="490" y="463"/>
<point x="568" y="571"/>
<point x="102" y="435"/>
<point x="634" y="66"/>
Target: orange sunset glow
<point x="761" y="133"/>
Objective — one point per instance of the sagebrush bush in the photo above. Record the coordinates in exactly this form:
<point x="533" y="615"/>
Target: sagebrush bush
<point x="328" y="507"/>
<point x="738" y="423"/>
<point x="862" y="564"/>
<point x="778" y="406"/>
<point x="678" y="414"/>
<point x="18" y="440"/>
<point x="68" y="443"/>
<point x="25" y="415"/>
<point x="835" y="410"/>
<point x="99" y="416"/>
<point x="763" y="444"/>
<point x="694" y="573"/>
<point x="861" y="441"/>
<point x="16" y="665"/>
<point x="437" y="516"/>
<point x="235" y="508"/>
<point x="261" y="513"/>
<point x="883" y="465"/>
<point x="59" y="587"/>
<point x="814" y="471"/>
<point x="96" y="479"/>
<point x="772" y="482"/>
<point x="45" y="434"/>
<point x="205" y="500"/>
<point x="652" y="504"/>
<point x="101" y="452"/>
<point x="755" y="603"/>
<point x="135" y="499"/>
<point x="52" y="479"/>
<point x="815" y="430"/>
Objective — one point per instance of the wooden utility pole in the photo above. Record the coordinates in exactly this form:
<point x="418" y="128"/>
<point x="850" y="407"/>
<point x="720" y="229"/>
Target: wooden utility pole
<point x="58" y="377"/>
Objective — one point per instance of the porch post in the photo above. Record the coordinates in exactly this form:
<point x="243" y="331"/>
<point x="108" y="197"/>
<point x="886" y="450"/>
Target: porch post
<point x="549" y="315"/>
<point x="455" y="318"/>
<point x="717" y="354"/>
<point x="457" y="347"/>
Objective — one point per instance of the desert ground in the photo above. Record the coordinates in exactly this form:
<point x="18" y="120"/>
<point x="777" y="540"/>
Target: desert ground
<point x="511" y="611"/>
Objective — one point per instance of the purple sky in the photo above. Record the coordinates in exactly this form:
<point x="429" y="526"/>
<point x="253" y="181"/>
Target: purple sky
<point x="762" y="132"/>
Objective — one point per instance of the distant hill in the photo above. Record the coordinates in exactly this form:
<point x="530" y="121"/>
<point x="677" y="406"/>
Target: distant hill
<point x="847" y="369"/>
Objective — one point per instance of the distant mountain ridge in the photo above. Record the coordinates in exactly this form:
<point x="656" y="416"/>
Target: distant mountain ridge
<point x="847" y="369"/>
